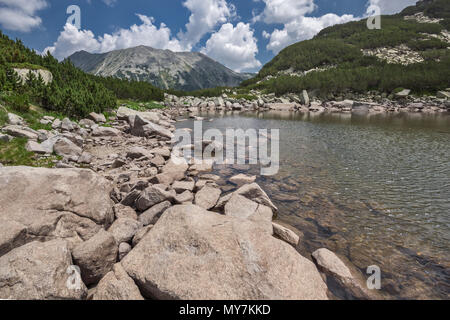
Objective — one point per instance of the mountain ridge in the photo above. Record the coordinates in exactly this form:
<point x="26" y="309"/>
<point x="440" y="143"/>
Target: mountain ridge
<point x="163" y="68"/>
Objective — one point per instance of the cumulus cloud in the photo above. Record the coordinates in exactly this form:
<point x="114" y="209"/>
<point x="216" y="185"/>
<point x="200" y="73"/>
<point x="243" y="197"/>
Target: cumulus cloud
<point x="284" y="11"/>
<point x="205" y="16"/>
<point x="302" y="28"/>
<point x="21" y="15"/>
<point x="390" y="6"/>
<point x="72" y="40"/>
<point x="296" y="25"/>
<point x="110" y="3"/>
<point x="235" y="47"/>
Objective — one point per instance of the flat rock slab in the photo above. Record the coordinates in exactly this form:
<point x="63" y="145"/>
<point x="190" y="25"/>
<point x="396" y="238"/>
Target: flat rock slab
<point x="195" y="254"/>
<point x="54" y="203"/>
<point x="39" y="271"/>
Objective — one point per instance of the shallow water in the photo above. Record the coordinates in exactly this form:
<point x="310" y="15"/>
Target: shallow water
<point x="373" y="188"/>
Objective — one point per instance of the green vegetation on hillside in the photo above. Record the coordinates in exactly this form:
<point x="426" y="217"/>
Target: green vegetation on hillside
<point x="338" y="49"/>
<point x="72" y="92"/>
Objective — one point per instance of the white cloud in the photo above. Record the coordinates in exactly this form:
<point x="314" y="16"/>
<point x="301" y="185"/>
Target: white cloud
<point x="285" y="11"/>
<point x="110" y="3"/>
<point x="302" y="28"/>
<point x="391" y="6"/>
<point x="296" y="26"/>
<point x="72" y="40"/>
<point x="205" y="16"/>
<point x="235" y="47"/>
<point x="20" y="15"/>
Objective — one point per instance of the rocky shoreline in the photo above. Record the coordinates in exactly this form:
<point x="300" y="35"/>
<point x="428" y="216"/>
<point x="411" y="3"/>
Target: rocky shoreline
<point x="141" y="223"/>
<point x="371" y="102"/>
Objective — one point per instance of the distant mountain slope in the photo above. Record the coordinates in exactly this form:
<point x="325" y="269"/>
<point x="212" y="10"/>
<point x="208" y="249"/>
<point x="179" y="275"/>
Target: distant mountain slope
<point x="162" y="68"/>
<point x="410" y="50"/>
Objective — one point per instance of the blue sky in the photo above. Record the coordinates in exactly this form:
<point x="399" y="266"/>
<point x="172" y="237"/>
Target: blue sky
<point x="242" y="34"/>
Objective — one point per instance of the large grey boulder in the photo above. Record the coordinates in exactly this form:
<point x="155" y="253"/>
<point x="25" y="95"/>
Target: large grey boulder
<point x="33" y="146"/>
<point x="240" y="207"/>
<point x="96" y="256"/>
<point x="285" y="234"/>
<point x="67" y="125"/>
<point x="352" y="286"/>
<point x="14" y="119"/>
<point x="142" y="127"/>
<point x="175" y="169"/>
<point x="53" y="203"/>
<point x="121" y="211"/>
<point x="21" y="132"/>
<point x="207" y="197"/>
<point x="138" y="152"/>
<point x="152" y="215"/>
<point x="242" y="179"/>
<point x="38" y="271"/>
<point x="254" y="192"/>
<point x="97" y="117"/>
<point x="66" y="148"/>
<point x="403" y="93"/>
<point x="195" y="254"/>
<point x="329" y="262"/>
<point x="117" y="285"/>
<point x="124" y="113"/>
<point x="124" y="229"/>
<point x="105" y="132"/>
<point x="152" y="196"/>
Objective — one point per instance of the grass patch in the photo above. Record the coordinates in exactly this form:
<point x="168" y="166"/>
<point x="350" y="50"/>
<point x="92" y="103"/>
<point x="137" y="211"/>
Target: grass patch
<point x="25" y="65"/>
<point x="248" y="97"/>
<point x="141" y="106"/>
<point x="13" y="153"/>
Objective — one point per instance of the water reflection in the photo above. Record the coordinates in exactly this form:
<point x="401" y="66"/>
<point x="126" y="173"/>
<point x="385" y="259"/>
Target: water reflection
<point x="372" y="187"/>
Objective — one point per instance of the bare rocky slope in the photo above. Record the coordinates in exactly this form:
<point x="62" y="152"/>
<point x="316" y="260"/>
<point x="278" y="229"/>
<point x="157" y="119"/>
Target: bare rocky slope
<point x="162" y="68"/>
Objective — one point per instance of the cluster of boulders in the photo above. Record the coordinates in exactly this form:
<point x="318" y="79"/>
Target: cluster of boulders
<point x="401" y="54"/>
<point x="401" y="101"/>
<point x="145" y="223"/>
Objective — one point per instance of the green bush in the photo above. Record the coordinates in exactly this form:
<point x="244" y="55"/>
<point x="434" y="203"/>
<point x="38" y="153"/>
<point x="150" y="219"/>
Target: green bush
<point x="72" y="92"/>
<point x="17" y="102"/>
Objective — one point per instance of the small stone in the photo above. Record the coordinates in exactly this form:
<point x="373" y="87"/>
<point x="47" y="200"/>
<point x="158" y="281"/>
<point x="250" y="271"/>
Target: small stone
<point x="124" y="229"/>
<point x="121" y="211"/>
<point x="99" y="118"/>
<point x="14" y="119"/>
<point x="33" y="146"/>
<point x="152" y="215"/>
<point x="285" y="234"/>
<point x="124" y="249"/>
<point x="85" y="158"/>
<point x="242" y="179"/>
<point x="181" y="186"/>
